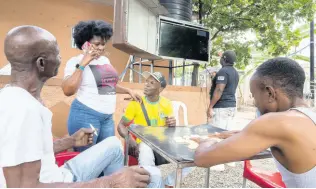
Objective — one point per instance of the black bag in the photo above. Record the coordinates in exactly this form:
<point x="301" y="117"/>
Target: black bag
<point x="159" y="160"/>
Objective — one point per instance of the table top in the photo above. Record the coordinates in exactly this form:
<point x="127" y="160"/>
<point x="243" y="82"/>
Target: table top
<point x="161" y="140"/>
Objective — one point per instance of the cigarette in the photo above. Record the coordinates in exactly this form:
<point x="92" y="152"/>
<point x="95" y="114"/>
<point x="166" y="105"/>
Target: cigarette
<point x="95" y="131"/>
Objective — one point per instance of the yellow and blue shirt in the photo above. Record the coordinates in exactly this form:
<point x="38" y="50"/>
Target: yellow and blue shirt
<point x="157" y="112"/>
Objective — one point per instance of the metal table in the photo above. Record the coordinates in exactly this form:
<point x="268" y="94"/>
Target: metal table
<point x="160" y="139"/>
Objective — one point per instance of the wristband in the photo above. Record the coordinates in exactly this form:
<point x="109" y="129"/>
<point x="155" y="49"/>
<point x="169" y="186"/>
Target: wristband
<point x="78" y="66"/>
<point x="81" y="68"/>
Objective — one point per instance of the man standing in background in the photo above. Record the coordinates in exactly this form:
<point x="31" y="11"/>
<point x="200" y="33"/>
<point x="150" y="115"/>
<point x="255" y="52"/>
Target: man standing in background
<point x="223" y="101"/>
<point x="222" y="108"/>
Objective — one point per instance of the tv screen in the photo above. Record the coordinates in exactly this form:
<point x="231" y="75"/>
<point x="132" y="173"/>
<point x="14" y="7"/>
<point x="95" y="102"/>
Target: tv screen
<point x="181" y="41"/>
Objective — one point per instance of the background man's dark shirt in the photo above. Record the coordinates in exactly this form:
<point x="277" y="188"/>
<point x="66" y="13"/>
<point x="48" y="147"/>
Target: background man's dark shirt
<point x="227" y="75"/>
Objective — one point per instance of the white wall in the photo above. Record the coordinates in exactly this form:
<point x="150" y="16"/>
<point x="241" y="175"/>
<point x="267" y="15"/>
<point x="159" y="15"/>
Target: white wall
<point x="141" y="26"/>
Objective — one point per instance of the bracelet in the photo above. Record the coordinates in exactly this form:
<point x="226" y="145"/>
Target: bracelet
<point x="78" y="66"/>
<point x="81" y="68"/>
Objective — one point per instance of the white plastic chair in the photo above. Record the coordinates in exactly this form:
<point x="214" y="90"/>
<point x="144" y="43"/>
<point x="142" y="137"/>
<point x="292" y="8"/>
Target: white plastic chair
<point x="176" y="107"/>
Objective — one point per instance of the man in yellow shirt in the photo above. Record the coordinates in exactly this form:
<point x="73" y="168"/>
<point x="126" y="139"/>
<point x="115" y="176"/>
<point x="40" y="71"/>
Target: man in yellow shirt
<point x="159" y="110"/>
<point x="160" y="113"/>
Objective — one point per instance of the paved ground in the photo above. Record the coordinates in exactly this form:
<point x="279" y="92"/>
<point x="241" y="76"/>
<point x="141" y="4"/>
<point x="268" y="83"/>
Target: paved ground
<point x="231" y="177"/>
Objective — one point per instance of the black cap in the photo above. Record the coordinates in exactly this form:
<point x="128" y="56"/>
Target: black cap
<point x="229" y="56"/>
<point x="158" y="76"/>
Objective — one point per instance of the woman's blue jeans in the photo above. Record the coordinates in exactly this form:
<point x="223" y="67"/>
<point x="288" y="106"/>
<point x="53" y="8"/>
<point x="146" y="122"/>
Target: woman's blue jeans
<point x="81" y="116"/>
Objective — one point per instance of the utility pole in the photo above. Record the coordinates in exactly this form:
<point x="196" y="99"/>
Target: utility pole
<point x="200" y="11"/>
<point x="312" y="61"/>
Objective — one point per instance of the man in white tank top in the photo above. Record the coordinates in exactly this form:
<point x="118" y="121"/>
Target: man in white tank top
<point x="287" y="126"/>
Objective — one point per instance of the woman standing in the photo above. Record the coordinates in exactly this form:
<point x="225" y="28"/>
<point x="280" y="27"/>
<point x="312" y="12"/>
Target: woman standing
<point x="94" y="79"/>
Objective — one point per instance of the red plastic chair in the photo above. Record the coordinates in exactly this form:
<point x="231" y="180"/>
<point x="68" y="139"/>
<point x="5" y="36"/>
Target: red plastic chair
<point x="131" y="160"/>
<point x="64" y="156"/>
<point x="61" y="158"/>
<point x="262" y="178"/>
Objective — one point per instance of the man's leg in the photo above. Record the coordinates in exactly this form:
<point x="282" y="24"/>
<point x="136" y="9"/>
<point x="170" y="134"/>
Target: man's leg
<point x="146" y="159"/>
<point x="106" y="156"/>
<point x="219" y="121"/>
<point x="170" y="180"/>
<point x="258" y="114"/>
<point x="231" y="125"/>
<point x="220" y="118"/>
<point x="156" y="180"/>
<point x="106" y="129"/>
<point x="146" y="155"/>
<point x="224" y="119"/>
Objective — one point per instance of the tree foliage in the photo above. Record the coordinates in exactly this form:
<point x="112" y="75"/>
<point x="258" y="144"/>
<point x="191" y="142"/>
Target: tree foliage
<point x="270" y="20"/>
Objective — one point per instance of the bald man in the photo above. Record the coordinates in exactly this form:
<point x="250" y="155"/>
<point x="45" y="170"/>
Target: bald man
<point x="26" y="146"/>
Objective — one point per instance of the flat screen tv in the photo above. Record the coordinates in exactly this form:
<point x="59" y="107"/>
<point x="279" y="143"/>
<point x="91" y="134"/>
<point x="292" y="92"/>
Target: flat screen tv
<point x="183" y="41"/>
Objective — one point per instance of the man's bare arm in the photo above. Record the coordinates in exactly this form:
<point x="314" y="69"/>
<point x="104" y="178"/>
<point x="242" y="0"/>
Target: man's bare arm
<point x="122" y="130"/>
<point x="217" y="94"/>
<point x="224" y="134"/>
<point x="122" y="90"/>
<point x="259" y="135"/>
<point x="63" y="144"/>
<point x="26" y="175"/>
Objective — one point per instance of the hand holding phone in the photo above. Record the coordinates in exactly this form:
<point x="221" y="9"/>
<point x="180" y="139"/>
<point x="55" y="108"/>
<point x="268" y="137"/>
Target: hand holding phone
<point x="89" y="53"/>
<point x="86" y="47"/>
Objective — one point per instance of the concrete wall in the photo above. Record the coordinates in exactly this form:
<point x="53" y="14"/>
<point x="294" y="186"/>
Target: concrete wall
<point x="195" y="99"/>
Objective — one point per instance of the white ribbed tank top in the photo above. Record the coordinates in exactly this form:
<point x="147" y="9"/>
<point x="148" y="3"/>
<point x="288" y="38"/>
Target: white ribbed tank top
<point x="303" y="180"/>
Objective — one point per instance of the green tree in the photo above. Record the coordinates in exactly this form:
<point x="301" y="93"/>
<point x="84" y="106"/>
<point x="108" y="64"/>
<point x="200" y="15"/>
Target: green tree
<point x="271" y="20"/>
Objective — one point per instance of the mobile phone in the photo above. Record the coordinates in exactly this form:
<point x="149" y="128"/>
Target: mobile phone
<point x="85" y="47"/>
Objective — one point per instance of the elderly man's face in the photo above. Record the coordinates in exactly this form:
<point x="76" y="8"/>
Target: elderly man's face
<point x="53" y="61"/>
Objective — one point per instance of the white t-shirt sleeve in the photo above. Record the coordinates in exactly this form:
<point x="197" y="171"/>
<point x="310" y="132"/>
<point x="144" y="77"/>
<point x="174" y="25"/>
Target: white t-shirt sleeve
<point x="22" y="135"/>
<point x="71" y="66"/>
